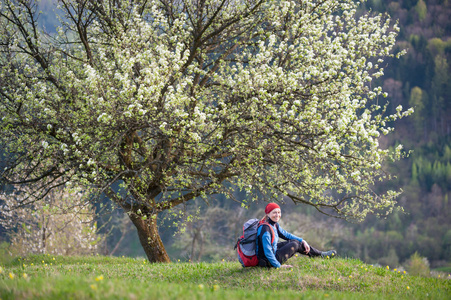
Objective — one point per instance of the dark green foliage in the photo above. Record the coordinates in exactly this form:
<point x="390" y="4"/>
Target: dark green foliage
<point x="408" y="4"/>
<point x="425" y="176"/>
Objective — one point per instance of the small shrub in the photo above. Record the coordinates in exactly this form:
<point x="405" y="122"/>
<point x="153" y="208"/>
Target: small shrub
<point x="418" y="265"/>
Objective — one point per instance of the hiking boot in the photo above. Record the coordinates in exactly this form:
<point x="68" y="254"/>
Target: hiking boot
<point x="329" y="254"/>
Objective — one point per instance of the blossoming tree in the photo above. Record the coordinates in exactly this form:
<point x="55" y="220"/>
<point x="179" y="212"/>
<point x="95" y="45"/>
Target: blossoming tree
<point x="177" y="99"/>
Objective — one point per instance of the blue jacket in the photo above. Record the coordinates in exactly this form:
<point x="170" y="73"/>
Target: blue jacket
<point x="264" y="241"/>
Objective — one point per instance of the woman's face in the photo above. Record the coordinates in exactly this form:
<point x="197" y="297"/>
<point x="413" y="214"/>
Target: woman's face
<point x="275" y="215"/>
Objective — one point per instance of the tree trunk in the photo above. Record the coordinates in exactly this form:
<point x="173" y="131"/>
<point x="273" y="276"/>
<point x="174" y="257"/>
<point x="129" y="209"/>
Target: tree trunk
<point x="150" y="238"/>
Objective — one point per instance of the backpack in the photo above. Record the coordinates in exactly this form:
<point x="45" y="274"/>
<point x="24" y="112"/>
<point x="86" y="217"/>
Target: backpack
<point x="246" y="245"/>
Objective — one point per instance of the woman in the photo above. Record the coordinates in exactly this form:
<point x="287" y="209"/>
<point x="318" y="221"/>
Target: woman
<point x="275" y="254"/>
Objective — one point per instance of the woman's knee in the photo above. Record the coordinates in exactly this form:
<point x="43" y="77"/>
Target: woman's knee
<point x="294" y="246"/>
<point x="296" y="243"/>
<point x="299" y="247"/>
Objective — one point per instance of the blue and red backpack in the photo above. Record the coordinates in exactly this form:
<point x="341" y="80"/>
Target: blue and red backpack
<point x="246" y="245"/>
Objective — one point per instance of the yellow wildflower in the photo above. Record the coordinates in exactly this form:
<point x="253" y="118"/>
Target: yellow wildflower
<point x="24" y="275"/>
<point x="11" y="275"/>
<point x="395" y="270"/>
<point x="408" y="287"/>
<point x="99" y="278"/>
<point x="404" y="272"/>
<point x="350" y="276"/>
<point x="201" y="286"/>
<point x="388" y="268"/>
<point x="93" y="286"/>
<point x="215" y="287"/>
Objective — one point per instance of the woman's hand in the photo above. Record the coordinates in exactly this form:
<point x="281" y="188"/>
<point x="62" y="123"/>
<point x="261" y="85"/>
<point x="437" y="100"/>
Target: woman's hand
<point x="306" y="247"/>
<point x="286" y="266"/>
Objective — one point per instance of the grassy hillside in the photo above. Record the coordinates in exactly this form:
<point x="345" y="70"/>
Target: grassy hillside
<point x="49" y="277"/>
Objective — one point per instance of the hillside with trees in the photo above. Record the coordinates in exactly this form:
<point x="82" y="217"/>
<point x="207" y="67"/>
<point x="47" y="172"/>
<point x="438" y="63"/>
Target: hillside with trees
<point x="420" y="79"/>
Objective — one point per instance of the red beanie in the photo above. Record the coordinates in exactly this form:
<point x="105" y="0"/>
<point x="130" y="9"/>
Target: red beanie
<point x="269" y="208"/>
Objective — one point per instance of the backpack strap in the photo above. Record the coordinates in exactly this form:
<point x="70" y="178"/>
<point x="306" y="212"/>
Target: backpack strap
<point x="263" y="222"/>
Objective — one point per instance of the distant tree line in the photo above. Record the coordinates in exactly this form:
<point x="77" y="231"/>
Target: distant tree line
<point x="420" y="79"/>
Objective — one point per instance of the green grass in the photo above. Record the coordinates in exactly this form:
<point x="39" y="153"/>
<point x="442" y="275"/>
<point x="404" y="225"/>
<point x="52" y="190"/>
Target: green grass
<point x="443" y="270"/>
<point x="98" y="277"/>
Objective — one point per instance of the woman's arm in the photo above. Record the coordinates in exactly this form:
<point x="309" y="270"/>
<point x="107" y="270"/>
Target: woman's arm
<point x="268" y="250"/>
<point x="286" y="235"/>
<point x="289" y="236"/>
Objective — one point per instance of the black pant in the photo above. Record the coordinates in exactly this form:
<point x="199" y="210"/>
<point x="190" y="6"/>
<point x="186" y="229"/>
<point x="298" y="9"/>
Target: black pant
<point x="287" y="249"/>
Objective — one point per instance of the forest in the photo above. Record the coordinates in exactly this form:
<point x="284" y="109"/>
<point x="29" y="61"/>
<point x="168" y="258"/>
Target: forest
<point x="419" y="79"/>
